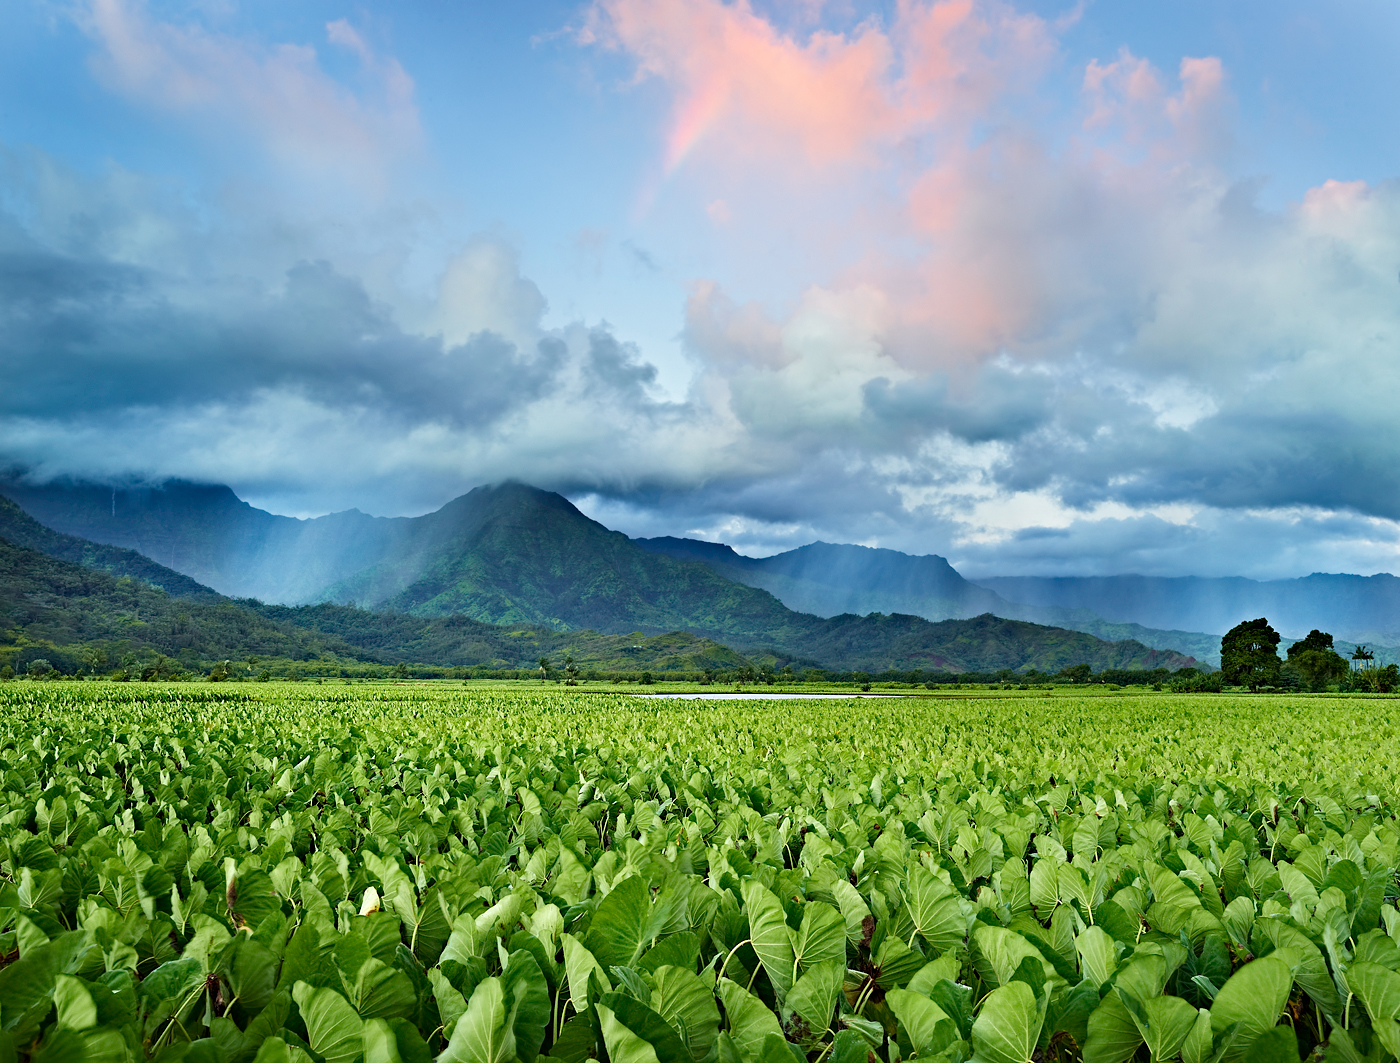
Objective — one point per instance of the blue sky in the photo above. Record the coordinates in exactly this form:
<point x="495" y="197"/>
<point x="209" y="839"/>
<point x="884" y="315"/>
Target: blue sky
<point x="1038" y="287"/>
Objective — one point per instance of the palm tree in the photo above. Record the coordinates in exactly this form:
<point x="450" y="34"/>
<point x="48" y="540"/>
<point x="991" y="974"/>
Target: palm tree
<point x="544" y="669"/>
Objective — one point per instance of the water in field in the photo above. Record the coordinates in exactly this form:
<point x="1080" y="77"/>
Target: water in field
<point x="745" y="696"/>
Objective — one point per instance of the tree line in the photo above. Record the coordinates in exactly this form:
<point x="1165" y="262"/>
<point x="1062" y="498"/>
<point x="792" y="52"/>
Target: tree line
<point x="1249" y="658"/>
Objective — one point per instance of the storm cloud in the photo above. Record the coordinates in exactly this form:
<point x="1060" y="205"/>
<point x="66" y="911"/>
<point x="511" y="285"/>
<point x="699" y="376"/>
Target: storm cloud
<point x="1075" y="346"/>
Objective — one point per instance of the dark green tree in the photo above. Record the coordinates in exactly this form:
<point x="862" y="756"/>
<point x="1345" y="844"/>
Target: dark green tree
<point x="1316" y="640"/>
<point x="1317" y="668"/>
<point x="1249" y="654"/>
<point x="1077" y="673"/>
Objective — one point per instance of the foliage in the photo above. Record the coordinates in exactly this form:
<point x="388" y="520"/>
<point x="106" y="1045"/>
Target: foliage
<point x="292" y="873"/>
<point x="1248" y="654"/>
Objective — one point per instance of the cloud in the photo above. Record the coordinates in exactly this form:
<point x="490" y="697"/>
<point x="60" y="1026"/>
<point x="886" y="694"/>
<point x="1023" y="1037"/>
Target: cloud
<point x="1031" y="335"/>
<point x="1095" y="315"/>
<point x="277" y="96"/>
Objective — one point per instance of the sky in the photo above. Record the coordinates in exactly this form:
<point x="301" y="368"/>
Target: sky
<point x="1044" y="288"/>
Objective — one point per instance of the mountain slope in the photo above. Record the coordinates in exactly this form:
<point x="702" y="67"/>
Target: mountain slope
<point x="210" y="534"/>
<point x="515" y="554"/>
<point x="20" y="529"/>
<point x="48" y="600"/>
<point x="828" y="580"/>
<point x="985" y="643"/>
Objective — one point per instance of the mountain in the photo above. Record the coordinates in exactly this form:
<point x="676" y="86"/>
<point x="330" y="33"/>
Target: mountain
<point x="1355" y="608"/>
<point x="513" y="554"/>
<point x="984" y="643"/>
<point x="55" y="609"/>
<point x="510" y="553"/>
<point x="213" y="536"/>
<point x="20" y="529"/>
<point x="828" y="580"/>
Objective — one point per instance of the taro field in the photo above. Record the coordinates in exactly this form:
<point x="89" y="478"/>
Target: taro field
<point x="296" y="873"/>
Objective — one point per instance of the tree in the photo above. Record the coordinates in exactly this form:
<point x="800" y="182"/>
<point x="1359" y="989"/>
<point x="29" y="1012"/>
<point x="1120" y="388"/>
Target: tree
<point x="1314" y="661"/>
<point x="94" y="657"/>
<point x="570" y="671"/>
<point x="1077" y="673"/>
<point x="1318" y="667"/>
<point x="1316" y="640"/>
<point x="1249" y="654"/>
<point x="544" y="669"/>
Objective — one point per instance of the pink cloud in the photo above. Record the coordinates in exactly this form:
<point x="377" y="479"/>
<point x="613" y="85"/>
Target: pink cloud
<point x="734" y="72"/>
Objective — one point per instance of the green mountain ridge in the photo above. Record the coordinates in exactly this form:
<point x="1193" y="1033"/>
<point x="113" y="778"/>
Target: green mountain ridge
<point x="508" y="567"/>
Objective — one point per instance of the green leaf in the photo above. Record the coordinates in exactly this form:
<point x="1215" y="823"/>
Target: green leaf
<point x="1069" y="1012"/>
<point x="924" y="1023"/>
<point x="576" y="1042"/>
<point x="252" y="972"/>
<point x="170" y="986"/>
<point x="822" y="936"/>
<point x="770" y="936"/>
<point x="380" y="1044"/>
<point x="482" y="1034"/>
<point x="333" y="1030"/>
<point x="26" y="986"/>
<point x="1378" y="989"/>
<point x="276" y="1050"/>
<point x="1005" y="949"/>
<point x="1098" y="955"/>
<point x="1279" y="1045"/>
<point x="308" y="955"/>
<point x="1254" y="997"/>
<point x="895" y="963"/>
<point x="527" y="1004"/>
<point x="749" y="1020"/>
<point x="1197" y="1046"/>
<point x="849" y="1047"/>
<point x="623" y="1045"/>
<point x="1008" y="1025"/>
<point x="946" y="967"/>
<point x="936" y="909"/>
<point x="687" y="1001"/>
<point x="956" y="1002"/>
<point x="646" y="1024"/>
<point x="579" y="962"/>
<point x="814" y="995"/>
<point x="1164" y="1023"/>
<point x="451" y="1004"/>
<point x="374" y="989"/>
<point x="777" y="1050"/>
<point x="76" y="1008"/>
<point x="678" y="950"/>
<point x="616" y="936"/>
<point x="1113" y="1036"/>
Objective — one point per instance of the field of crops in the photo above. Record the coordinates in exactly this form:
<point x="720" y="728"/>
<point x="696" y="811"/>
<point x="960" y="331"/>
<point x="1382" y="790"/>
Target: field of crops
<point x="293" y="872"/>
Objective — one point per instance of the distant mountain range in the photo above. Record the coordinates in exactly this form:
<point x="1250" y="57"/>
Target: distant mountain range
<point x="512" y="554"/>
<point x="1188" y="613"/>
